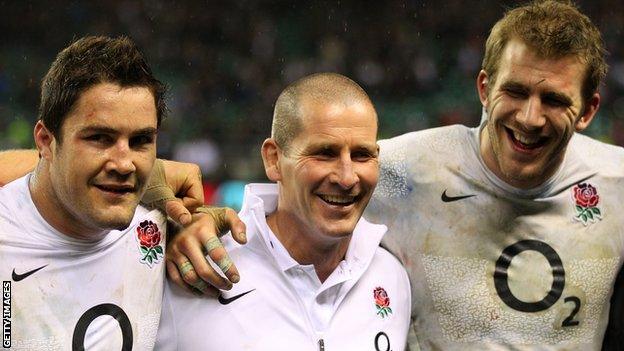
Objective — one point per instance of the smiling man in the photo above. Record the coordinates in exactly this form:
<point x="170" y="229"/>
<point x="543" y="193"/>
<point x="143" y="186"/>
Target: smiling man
<point x="82" y="260"/>
<point x="312" y="274"/>
<point x="511" y="232"/>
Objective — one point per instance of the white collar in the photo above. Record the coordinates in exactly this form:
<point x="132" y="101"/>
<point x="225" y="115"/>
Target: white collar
<point x="538" y="191"/>
<point x="260" y="200"/>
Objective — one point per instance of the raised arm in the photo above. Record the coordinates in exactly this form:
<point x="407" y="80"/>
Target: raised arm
<point x="16" y="163"/>
<point x="177" y="188"/>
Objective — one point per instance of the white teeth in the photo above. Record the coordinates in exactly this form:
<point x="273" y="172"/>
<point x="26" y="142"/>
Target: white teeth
<point x="337" y="198"/>
<point x="527" y="140"/>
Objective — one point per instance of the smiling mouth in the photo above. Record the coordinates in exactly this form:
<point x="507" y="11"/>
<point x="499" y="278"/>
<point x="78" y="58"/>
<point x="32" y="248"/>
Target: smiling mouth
<point x="526" y="142"/>
<point x="339" y="200"/>
<point x="116" y="189"/>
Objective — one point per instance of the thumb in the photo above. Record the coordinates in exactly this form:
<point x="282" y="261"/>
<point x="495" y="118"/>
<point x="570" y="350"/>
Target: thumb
<point x="176" y="210"/>
<point x="237" y="227"/>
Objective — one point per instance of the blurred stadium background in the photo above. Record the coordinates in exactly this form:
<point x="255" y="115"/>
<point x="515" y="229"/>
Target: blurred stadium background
<point x="226" y="62"/>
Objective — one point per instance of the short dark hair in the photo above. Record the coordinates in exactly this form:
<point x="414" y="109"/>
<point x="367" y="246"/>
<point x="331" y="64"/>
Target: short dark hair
<point x="87" y="62"/>
<point x="553" y="29"/>
<point x="319" y="87"/>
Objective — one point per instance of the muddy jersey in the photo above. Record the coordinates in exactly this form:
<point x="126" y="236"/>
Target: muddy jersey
<point x="494" y="267"/>
<point x="69" y="294"/>
<point x="280" y="304"/>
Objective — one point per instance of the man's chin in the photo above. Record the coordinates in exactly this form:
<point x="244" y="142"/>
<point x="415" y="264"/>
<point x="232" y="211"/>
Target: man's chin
<point x="339" y="231"/>
<point x="118" y="222"/>
<point x="525" y="177"/>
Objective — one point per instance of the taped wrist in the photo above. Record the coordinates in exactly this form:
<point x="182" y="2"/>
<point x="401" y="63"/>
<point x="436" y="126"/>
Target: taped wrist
<point x="157" y="192"/>
<point x="218" y="215"/>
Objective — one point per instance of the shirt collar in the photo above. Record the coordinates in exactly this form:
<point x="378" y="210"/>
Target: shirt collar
<point x="545" y="188"/>
<point x="261" y="200"/>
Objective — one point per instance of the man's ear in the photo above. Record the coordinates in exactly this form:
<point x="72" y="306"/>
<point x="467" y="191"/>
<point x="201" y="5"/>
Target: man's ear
<point x="482" y="87"/>
<point x="591" y="107"/>
<point x="44" y="140"/>
<point x="271" y="153"/>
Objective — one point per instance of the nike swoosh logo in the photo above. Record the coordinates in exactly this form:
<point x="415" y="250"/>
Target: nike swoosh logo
<point x="17" y="277"/>
<point x="228" y="300"/>
<point x="447" y="198"/>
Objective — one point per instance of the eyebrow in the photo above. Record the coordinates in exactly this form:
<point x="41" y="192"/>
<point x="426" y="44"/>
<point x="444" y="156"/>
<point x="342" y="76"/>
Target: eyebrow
<point x="108" y="130"/>
<point x="328" y="146"/>
<point x="513" y="85"/>
<point x="559" y="97"/>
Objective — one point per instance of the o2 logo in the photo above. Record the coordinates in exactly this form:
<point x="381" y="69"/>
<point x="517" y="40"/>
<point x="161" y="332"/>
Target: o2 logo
<point x="501" y="282"/>
<point x="91" y="314"/>
<point x="382" y="342"/>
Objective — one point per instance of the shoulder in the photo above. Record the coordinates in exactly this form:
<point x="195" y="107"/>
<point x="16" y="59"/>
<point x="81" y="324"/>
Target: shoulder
<point x="599" y="156"/>
<point x="386" y="263"/>
<point x="438" y="138"/>
<point x="13" y="197"/>
<point x="143" y="215"/>
<point x="420" y="156"/>
<point x="426" y="146"/>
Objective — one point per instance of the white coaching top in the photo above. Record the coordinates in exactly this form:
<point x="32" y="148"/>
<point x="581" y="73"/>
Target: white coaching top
<point x="65" y="293"/>
<point x="493" y="267"/>
<point x="281" y="305"/>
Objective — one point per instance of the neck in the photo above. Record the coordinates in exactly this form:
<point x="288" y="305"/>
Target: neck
<point x="52" y="210"/>
<point x="305" y="247"/>
<point x="487" y="154"/>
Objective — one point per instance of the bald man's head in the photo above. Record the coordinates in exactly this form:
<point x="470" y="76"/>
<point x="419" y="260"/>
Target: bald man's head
<point x="319" y="88"/>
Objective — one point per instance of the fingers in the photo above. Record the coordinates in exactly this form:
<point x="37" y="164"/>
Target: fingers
<point x="226" y="219"/>
<point x="174" y="275"/>
<point x="204" y="270"/>
<point x="212" y="246"/>
<point x="237" y="227"/>
<point x="217" y="253"/>
<point x="191" y="244"/>
<point x="186" y="182"/>
<point x="191" y="203"/>
<point x="193" y="192"/>
<point x="177" y="210"/>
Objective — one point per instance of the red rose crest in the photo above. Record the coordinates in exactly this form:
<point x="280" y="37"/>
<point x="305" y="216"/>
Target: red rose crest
<point x="585" y="203"/>
<point x="149" y="238"/>
<point x="382" y="302"/>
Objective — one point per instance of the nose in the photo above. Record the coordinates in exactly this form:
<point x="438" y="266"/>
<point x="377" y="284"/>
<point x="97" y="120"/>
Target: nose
<point x="531" y="116"/>
<point x="344" y="174"/>
<point x="120" y="159"/>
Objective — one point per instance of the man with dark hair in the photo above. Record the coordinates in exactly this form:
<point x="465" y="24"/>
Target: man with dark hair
<point x="87" y="62"/>
<point x="511" y="232"/>
<point x="314" y="276"/>
<point x="81" y="261"/>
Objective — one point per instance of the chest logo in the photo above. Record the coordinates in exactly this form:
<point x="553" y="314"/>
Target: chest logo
<point x="382" y="302"/>
<point x="17" y="277"/>
<point x="448" y="198"/>
<point x="586" y="201"/>
<point x="149" y="238"/>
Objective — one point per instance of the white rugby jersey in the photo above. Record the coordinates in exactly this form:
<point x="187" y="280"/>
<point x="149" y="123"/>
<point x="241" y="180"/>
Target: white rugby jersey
<point x="281" y="305"/>
<point x="65" y="293"/>
<point x="494" y="267"/>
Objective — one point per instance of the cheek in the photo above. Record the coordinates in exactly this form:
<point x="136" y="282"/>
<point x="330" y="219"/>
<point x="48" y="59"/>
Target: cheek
<point x="309" y="173"/>
<point x="369" y="173"/>
<point x="144" y="165"/>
